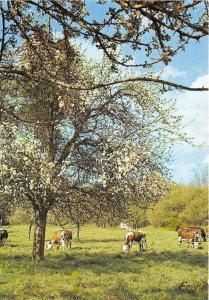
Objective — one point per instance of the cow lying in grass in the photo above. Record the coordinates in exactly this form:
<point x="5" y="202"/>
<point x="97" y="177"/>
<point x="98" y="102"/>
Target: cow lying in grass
<point x="62" y="238"/>
<point x="192" y="235"/>
<point x="3" y="237"/>
<point x="135" y="236"/>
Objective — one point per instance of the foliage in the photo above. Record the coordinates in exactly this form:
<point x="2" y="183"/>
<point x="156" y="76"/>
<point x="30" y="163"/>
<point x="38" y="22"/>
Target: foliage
<point x="183" y="205"/>
<point x="96" y="269"/>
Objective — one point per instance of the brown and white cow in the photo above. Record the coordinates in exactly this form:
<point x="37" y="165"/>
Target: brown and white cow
<point x="135" y="236"/>
<point x="61" y="238"/>
<point x="202" y="237"/>
<point x="189" y="235"/>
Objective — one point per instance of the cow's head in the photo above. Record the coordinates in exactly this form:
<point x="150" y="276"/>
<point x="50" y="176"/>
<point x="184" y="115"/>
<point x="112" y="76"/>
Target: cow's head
<point x="126" y="248"/>
<point x="49" y="245"/>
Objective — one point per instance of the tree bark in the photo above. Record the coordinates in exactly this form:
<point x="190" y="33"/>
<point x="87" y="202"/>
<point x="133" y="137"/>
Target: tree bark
<point x="78" y="231"/>
<point x="39" y="234"/>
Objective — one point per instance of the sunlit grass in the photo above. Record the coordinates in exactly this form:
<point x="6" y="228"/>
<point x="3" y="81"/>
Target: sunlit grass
<point x="95" y="268"/>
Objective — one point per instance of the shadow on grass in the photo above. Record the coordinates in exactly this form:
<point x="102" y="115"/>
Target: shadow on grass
<point x="96" y="262"/>
<point x="110" y="263"/>
<point x="9" y="258"/>
<point x="12" y="245"/>
<point x="182" y="256"/>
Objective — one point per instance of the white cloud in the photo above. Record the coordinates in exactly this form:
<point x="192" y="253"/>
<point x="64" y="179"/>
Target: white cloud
<point x="194" y="108"/>
<point x="170" y="72"/>
<point x="201" y="81"/>
<point x="206" y="159"/>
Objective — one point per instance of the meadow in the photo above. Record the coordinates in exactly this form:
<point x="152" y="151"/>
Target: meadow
<point x="97" y="269"/>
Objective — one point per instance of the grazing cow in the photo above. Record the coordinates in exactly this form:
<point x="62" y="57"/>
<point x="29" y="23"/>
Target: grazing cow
<point x="200" y="231"/>
<point x="62" y="238"/>
<point x="202" y="236"/>
<point x="124" y="226"/>
<point x="135" y="236"/>
<point x="189" y="235"/>
<point x="3" y="237"/>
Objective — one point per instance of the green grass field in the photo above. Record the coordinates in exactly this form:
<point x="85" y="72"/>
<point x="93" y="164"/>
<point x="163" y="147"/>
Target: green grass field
<point x="95" y="268"/>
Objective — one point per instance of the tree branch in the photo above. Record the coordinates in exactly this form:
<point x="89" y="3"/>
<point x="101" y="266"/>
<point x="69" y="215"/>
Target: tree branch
<point x="5" y="70"/>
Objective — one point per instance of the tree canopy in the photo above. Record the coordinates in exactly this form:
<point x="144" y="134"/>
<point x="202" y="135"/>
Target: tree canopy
<point x="153" y="30"/>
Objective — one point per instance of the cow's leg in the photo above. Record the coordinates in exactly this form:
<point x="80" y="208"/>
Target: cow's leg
<point x="145" y="245"/>
<point x="195" y="245"/>
<point x="190" y="243"/>
<point x="63" y="244"/>
<point x="180" y="240"/>
<point x="2" y="242"/>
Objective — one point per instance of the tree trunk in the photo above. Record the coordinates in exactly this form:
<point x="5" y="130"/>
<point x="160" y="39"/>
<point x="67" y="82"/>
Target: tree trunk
<point x="39" y="234"/>
<point x="78" y="231"/>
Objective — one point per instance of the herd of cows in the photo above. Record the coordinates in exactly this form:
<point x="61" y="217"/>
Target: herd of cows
<point x="192" y="235"/>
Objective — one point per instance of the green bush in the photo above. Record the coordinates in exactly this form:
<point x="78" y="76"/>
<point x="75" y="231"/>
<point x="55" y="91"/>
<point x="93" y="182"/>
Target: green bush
<point x="183" y="206"/>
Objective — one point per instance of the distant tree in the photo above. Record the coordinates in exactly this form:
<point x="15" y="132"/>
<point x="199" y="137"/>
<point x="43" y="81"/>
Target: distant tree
<point x="182" y="206"/>
<point x="201" y="177"/>
<point x="75" y="208"/>
<point x="196" y="210"/>
<point x="137" y="216"/>
<point x="155" y="30"/>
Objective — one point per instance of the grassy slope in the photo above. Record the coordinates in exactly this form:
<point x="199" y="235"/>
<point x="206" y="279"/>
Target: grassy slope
<point x="96" y="268"/>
